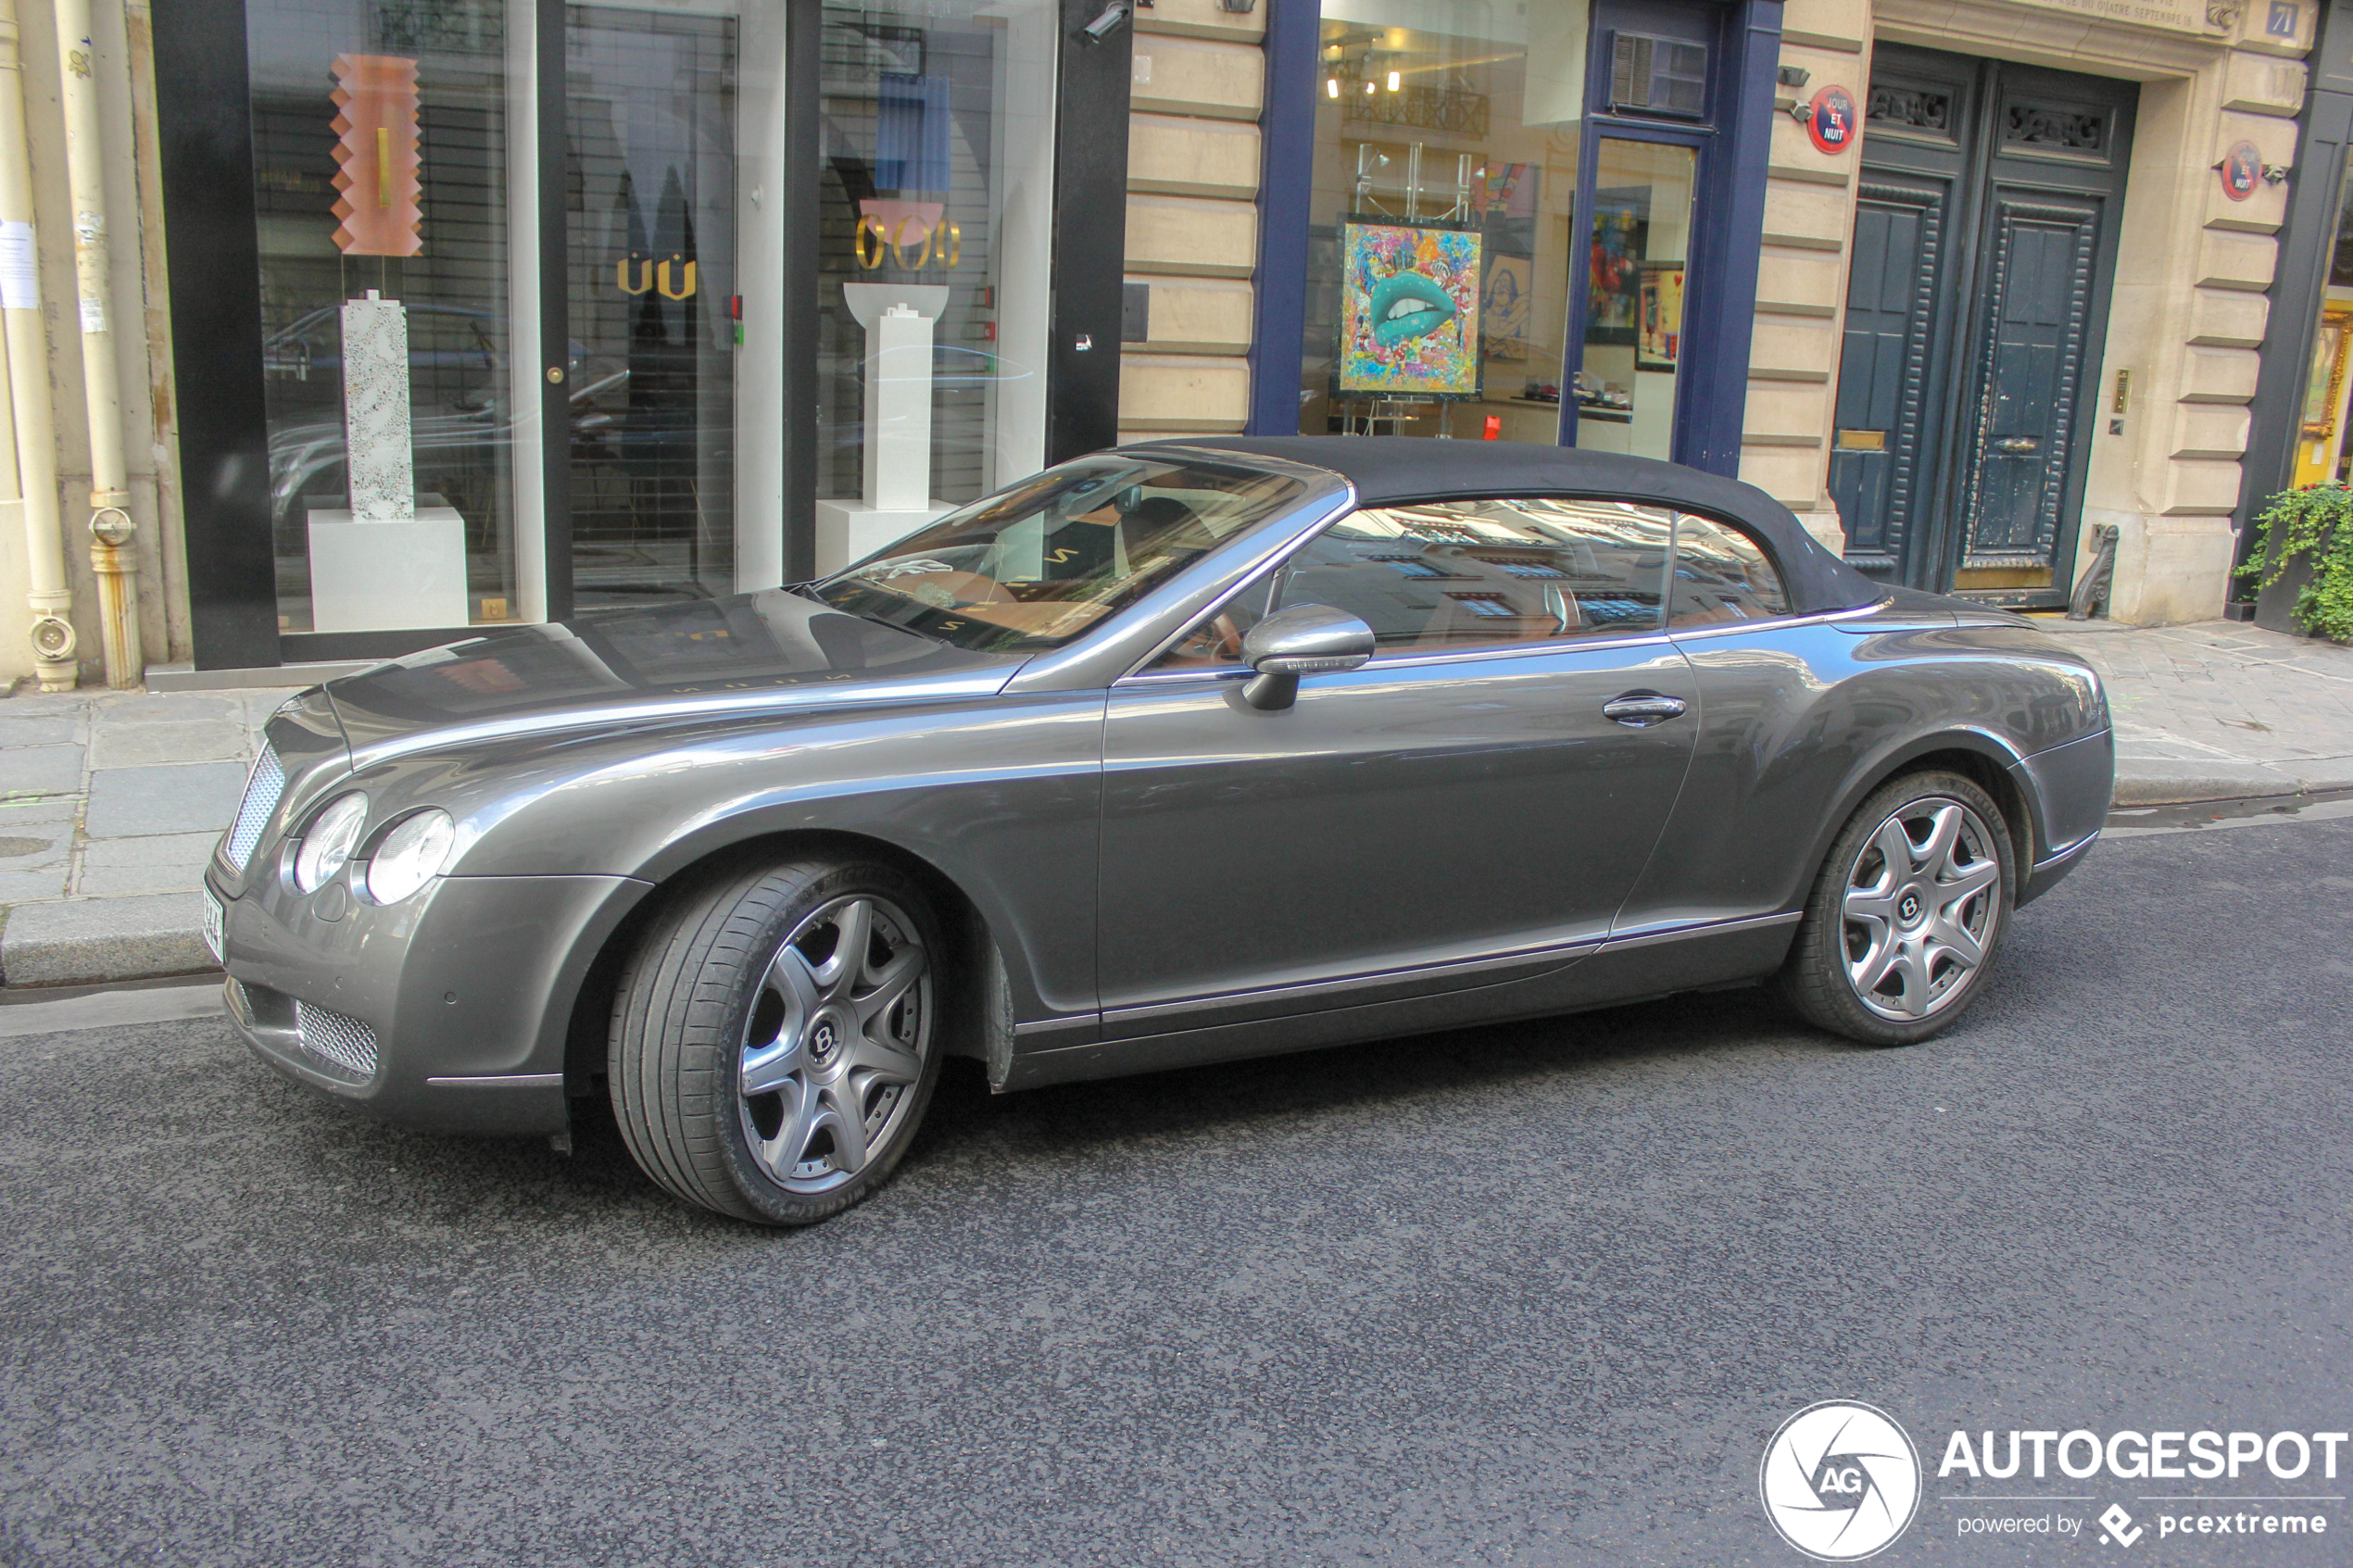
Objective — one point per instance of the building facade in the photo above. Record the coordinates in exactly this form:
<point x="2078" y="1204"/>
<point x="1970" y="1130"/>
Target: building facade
<point x="454" y="314"/>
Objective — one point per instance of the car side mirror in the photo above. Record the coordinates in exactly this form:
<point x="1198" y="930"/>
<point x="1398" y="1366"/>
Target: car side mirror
<point x="1302" y="640"/>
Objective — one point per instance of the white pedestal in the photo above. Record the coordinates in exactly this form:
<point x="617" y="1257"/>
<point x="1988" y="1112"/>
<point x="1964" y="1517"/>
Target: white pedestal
<point x="388" y="576"/>
<point x="850" y="531"/>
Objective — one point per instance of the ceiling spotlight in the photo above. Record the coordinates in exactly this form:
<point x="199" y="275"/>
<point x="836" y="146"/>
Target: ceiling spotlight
<point x="1393" y="80"/>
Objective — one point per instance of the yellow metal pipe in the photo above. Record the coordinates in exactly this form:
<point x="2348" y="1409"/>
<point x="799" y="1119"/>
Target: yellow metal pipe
<point x="111" y="531"/>
<point x="28" y="352"/>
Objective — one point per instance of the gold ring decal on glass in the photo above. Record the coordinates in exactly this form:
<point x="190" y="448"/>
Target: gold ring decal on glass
<point x="932" y="241"/>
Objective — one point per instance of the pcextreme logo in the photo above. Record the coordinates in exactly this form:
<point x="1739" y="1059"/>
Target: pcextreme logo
<point x="1841" y="1481"/>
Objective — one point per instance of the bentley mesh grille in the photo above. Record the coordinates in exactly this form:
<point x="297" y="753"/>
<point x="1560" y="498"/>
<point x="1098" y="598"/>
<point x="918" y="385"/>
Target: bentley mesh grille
<point x="263" y="785"/>
<point x="347" y="1042"/>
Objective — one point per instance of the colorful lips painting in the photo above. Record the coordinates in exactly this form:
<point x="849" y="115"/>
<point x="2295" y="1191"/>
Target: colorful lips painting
<point x="1409" y="311"/>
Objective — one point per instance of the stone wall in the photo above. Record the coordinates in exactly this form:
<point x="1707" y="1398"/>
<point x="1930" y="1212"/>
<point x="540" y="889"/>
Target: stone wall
<point x="2187" y="315"/>
<point x="1192" y="216"/>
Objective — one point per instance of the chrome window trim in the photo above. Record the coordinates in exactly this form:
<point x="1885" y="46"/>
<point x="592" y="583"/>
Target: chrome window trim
<point x="1725" y="628"/>
<point x="1519" y="650"/>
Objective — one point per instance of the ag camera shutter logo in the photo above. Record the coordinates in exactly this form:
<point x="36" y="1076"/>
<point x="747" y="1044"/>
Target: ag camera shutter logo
<point x="1841" y="1481"/>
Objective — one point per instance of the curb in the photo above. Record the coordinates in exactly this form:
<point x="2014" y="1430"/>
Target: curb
<point x="2147" y="783"/>
<point x="104" y="941"/>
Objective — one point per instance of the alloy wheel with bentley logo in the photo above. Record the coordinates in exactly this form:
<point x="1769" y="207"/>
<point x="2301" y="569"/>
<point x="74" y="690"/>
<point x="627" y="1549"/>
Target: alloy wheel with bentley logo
<point x="1907" y="914"/>
<point x="825" y="1041"/>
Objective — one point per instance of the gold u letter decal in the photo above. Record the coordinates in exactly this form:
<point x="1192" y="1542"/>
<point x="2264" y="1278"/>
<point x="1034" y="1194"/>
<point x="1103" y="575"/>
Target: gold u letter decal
<point x="682" y="293"/>
<point x="645" y="275"/>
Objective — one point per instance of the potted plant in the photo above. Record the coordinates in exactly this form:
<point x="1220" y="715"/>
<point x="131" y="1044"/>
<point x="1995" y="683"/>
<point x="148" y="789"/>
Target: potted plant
<point x="2312" y="526"/>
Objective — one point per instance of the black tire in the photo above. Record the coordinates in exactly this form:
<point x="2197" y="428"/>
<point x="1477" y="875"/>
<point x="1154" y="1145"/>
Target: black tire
<point x="1834" y="956"/>
<point x="705" y="982"/>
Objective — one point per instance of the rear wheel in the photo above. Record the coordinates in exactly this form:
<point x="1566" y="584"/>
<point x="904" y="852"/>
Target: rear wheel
<point x="772" y="1047"/>
<point x="1907" y="914"/>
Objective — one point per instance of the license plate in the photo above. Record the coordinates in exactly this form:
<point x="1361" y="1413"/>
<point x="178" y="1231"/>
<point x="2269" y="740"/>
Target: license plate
<point x="214" y="917"/>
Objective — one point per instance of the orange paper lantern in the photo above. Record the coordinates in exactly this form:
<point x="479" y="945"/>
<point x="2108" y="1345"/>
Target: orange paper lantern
<point x="377" y="166"/>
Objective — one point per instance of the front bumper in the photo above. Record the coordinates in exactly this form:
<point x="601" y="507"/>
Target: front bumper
<point x="445" y="1013"/>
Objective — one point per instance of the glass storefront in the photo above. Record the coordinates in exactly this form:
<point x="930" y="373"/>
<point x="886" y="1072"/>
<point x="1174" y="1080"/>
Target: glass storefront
<point x="1440" y="251"/>
<point x="2323" y="451"/>
<point x="398" y="181"/>
<point x="651" y="221"/>
<point x="1506" y="201"/>
<point x="383" y="176"/>
<point x="1641" y="236"/>
<point x="937" y="157"/>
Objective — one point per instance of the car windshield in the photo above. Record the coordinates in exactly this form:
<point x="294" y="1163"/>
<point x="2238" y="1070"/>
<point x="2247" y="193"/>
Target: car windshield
<point x="1036" y="565"/>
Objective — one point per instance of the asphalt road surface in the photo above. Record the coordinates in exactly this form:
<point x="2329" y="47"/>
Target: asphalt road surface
<point x="1533" y="1294"/>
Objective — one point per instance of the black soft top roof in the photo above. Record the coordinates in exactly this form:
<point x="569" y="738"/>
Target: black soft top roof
<point x="1393" y="469"/>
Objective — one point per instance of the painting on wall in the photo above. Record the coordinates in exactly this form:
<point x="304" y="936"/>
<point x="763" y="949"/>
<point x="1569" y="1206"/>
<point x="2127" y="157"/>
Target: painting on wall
<point x="1614" y="290"/>
<point x="1660" y="328"/>
<point x="1505" y="305"/>
<point x="1410" y="311"/>
<point x="1505" y="200"/>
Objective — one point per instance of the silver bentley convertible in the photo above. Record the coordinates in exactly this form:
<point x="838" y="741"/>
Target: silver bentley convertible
<point x="1171" y="755"/>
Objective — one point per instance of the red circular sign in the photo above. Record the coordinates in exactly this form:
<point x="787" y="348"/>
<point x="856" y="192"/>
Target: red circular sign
<point x="2242" y="166"/>
<point x="1831" y="121"/>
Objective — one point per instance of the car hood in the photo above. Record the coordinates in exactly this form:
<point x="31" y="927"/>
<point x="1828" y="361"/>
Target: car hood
<point x="736" y="657"/>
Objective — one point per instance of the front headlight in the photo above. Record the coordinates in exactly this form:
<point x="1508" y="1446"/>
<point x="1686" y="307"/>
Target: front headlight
<point x="328" y="843"/>
<point x="410" y="856"/>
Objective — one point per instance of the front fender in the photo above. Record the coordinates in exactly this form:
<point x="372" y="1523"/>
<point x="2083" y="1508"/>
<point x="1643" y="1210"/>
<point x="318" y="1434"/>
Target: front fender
<point x="1000" y="796"/>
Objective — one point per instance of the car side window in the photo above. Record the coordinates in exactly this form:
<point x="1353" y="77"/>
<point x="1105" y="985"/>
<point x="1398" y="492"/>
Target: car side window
<point x="1721" y="575"/>
<point x="1214" y="642"/>
<point x="1467" y="573"/>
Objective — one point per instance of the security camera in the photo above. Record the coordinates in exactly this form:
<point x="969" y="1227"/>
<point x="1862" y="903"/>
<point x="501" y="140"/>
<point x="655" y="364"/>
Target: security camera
<point x="1102" y="27"/>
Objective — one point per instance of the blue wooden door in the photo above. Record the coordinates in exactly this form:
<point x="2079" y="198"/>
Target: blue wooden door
<point x="1983" y="251"/>
<point x="1879" y="465"/>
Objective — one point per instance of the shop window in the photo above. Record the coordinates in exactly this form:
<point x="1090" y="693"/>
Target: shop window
<point x="1440" y="236"/>
<point x="2323" y="451"/>
<point x="1639" y="237"/>
<point x="936" y="181"/>
<point x="654" y="263"/>
<point x="383" y="164"/>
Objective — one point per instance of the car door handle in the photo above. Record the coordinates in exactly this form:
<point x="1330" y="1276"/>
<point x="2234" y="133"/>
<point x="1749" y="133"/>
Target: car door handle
<point x="1638" y="710"/>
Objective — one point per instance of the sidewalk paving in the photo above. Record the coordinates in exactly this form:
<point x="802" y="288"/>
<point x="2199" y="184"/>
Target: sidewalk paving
<point x="2221" y="710"/>
<point x="111" y="801"/>
<point x="109" y="804"/>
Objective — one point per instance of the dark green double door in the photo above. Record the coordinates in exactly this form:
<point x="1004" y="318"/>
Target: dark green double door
<point x="1984" y="244"/>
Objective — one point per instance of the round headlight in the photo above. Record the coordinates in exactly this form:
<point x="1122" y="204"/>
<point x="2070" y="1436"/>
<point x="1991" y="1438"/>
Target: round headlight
<point x="410" y="856"/>
<point x="328" y="844"/>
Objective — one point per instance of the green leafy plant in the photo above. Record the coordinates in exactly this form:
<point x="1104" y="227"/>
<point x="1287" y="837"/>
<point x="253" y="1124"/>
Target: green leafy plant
<point x="2316" y="525"/>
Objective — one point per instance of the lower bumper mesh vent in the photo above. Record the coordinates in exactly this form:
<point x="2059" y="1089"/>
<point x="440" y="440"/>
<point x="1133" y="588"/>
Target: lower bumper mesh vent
<point x="347" y="1042"/>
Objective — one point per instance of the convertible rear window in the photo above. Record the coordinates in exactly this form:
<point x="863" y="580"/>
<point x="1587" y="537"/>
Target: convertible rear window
<point x="1035" y="566"/>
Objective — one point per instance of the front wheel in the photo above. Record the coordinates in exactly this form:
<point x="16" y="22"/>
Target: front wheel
<point x="774" y="1044"/>
<point x="1901" y="932"/>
